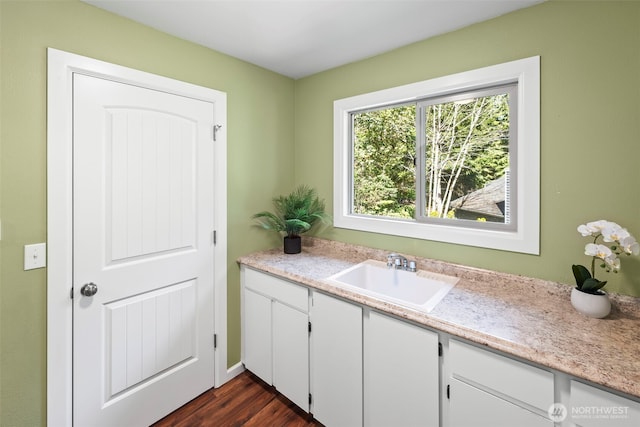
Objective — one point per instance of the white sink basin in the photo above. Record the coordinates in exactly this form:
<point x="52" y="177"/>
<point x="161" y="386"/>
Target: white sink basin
<point x="421" y="290"/>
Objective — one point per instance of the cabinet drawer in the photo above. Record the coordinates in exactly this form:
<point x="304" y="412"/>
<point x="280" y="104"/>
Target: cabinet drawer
<point x="592" y="407"/>
<point x="286" y="292"/>
<point x="501" y="374"/>
<point x="471" y="406"/>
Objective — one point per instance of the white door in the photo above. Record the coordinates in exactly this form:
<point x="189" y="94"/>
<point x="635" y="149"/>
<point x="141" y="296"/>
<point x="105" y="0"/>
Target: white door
<point x="142" y="233"/>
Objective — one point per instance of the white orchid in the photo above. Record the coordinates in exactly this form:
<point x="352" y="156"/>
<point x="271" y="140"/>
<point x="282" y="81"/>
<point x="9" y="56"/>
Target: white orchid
<point x="612" y="264"/>
<point x="598" y="251"/>
<point x="614" y="233"/>
<point x="621" y="242"/>
<point x="593" y="228"/>
<point x="629" y="245"/>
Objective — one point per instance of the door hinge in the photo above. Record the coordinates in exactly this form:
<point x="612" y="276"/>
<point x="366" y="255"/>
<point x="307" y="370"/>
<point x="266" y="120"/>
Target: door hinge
<point x="310" y="399"/>
<point x="216" y="128"/>
<point x="440" y="349"/>
<point x="448" y="391"/>
<point x="215" y="341"/>
<point x="309" y="327"/>
<point x="71" y="293"/>
<point x="215" y="237"/>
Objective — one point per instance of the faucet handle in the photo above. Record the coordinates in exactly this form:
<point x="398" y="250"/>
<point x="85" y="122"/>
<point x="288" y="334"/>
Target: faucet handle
<point x="412" y="266"/>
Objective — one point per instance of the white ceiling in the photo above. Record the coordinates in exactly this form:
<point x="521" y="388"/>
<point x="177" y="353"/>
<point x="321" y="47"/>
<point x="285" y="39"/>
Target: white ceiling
<point x="298" y="38"/>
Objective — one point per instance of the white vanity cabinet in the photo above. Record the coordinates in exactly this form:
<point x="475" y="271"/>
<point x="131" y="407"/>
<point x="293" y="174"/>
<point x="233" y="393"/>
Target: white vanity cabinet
<point x="276" y="333"/>
<point x="592" y="407"/>
<point x="401" y="373"/>
<point x="351" y="365"/>
<point x="371" y="369"/>
<point x="336" y="361"/>
<point x="487" y="389"/>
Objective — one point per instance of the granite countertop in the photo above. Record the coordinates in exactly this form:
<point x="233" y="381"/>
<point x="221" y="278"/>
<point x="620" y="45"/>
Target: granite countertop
<point x="524" y="317"/>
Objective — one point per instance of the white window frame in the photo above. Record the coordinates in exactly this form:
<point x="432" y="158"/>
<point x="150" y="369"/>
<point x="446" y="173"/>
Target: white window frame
<point x="525" y="238"/>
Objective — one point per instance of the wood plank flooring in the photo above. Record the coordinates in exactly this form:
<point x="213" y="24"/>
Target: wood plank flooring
<point x="244" y="401"/>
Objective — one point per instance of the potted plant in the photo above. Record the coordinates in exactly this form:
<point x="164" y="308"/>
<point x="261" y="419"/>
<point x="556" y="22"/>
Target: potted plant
<point x="587" y="297"/>
<point x="294" y="214"/>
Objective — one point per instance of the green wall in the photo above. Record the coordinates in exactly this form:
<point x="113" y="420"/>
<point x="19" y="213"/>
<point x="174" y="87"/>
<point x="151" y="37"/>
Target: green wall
<point x="590" y="56"/>
<point x="590" y="126"/>
<point x="260" y="132"/>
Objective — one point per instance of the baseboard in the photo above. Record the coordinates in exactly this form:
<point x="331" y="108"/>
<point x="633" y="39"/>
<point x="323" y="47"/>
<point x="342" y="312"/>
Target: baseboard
<point x="232" y="372"/>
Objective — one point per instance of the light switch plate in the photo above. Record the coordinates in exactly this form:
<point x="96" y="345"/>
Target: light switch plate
<point x="35" y="256"/>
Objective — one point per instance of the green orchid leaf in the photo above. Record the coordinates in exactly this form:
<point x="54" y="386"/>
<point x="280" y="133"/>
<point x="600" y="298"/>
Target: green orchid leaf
<point x="581" y="274"/>
<point x="592" y="286"/>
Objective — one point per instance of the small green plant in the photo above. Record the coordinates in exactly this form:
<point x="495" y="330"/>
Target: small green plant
<point x="295" y="213"/>
<point x="620" y="242"/>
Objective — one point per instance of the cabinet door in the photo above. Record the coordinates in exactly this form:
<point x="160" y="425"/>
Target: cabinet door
<point x="257" y="335"/>
<point x="401" y="373"/>
<point x="592" y="407"/>
<point x="470" y="406"/>
<point x="336" y="339"/>
<point x="291" y="354"/>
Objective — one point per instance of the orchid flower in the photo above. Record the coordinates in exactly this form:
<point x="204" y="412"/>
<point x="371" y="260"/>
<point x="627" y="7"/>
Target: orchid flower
<point x="629" y="246"/>
<point x="612" y="264"/>
<point x="614" y="233"/>
<point x="593" y="228"/>
<point x="598" y="251"/>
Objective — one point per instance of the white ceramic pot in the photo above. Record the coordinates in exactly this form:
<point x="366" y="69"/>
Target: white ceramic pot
<point x="591" y="305"/>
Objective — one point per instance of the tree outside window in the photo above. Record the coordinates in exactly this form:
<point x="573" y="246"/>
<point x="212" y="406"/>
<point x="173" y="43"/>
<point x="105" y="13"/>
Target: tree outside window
<point x="444" y="157"/>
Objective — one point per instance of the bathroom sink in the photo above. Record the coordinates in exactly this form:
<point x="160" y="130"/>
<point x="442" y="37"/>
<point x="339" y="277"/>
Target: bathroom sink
<point x="420" y="290"/>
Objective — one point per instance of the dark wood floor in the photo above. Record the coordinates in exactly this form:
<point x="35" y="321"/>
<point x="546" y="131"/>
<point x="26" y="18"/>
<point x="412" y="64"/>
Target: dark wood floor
<point x="244" y="401"/>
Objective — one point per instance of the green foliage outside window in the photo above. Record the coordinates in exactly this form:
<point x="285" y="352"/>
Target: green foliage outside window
<point x="466" y="147"/>
<point x="384" y="162"/>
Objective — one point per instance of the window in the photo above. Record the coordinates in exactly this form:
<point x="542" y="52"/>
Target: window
<point x="453" y="159"/>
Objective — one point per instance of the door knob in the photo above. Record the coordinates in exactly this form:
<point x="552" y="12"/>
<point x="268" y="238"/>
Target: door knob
<point x="89" y="289"/>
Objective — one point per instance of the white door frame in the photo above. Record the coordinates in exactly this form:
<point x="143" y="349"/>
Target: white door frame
<point x="61" y="67"/>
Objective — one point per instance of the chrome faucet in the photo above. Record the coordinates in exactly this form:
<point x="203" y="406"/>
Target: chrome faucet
<point x="399" y="262"/>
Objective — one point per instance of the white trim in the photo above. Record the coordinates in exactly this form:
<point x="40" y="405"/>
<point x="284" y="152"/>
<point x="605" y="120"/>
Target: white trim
<point x="61" y="67"/>
<point x="235" y="370"/>
<point x="526" y="238"/>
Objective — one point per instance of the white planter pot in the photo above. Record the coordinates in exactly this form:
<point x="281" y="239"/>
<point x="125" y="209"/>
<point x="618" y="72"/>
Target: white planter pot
<point x="591" y="305"/>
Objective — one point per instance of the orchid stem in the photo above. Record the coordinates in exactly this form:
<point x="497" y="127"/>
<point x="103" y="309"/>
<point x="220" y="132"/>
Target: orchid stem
<point x="593" y="259"/>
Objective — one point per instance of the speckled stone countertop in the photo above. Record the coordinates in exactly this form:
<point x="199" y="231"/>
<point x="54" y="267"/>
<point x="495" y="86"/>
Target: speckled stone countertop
<point x="528" y="318"/>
